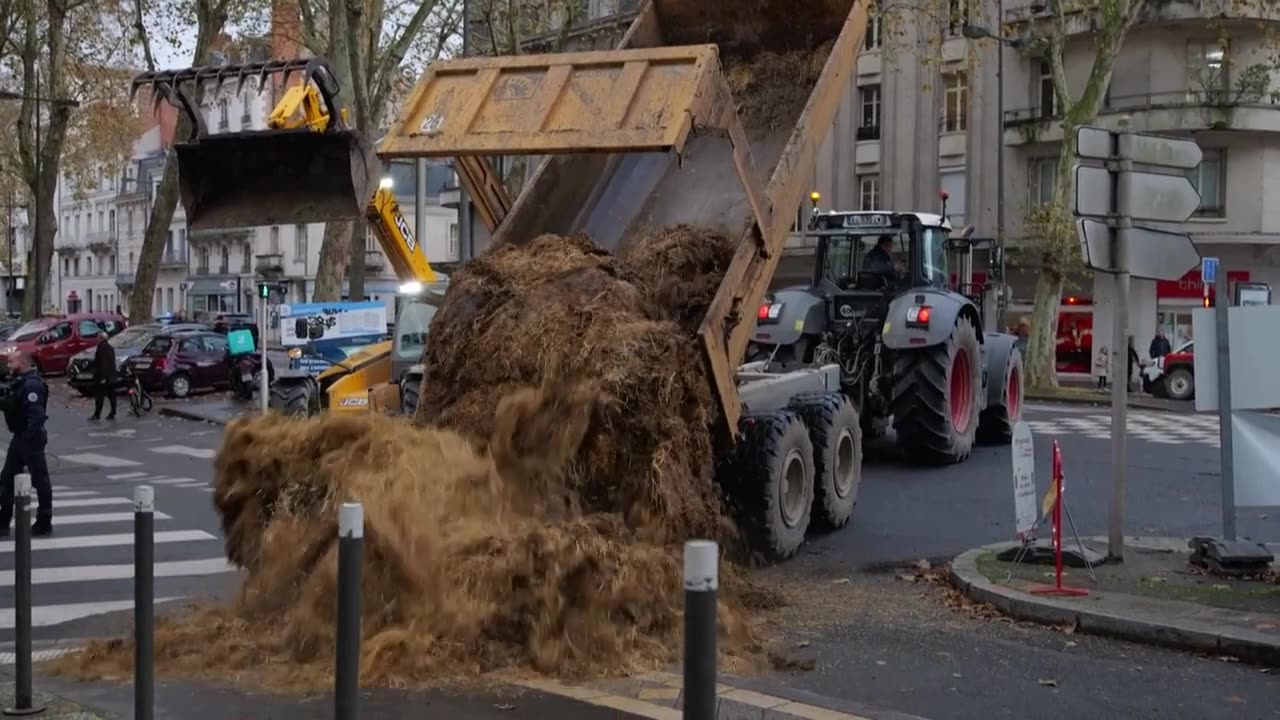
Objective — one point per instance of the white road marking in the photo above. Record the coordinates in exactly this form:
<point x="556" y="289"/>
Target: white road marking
<point x="92" y="502"/>
<point x="74" y="493"/>
<point x="207" y="489"/>
<point x="121" y="433"/>
<point x="90" y="518"/>
<point x="126" y="476"/>
<point x="197" y="483"/>
<point x="105" y="461"/>
<point x="91" y="541"/>
<point x="46" y="615"/>
<point x="174" y="481"/>
<point x="201" y="453"/>
<point x="90" y="447"/>
<point x="91" y="573"/>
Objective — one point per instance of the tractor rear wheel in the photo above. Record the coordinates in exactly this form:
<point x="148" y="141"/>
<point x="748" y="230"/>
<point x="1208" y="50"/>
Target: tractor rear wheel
<point x="995" y="426"/>
<point x="292" y="399"/>
<point x="836" y="435"/>
<point x="772" y="483"/>
<point x="936" y="397"/>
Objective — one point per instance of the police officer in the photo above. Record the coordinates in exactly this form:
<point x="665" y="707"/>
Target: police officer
<point x="24" y="412"/>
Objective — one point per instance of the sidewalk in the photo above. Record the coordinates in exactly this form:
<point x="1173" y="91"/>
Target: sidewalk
<point x="653" y="695"/>
<point x="1080" y="395"/>
<point x="216" y="408"/>
<point x="1155" y="596"/>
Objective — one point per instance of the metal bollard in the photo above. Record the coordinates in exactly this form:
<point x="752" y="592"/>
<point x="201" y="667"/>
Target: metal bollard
<point x="23" y="702"/>
<point x="701" y="580"/>
<point x="144" y="507"/>
<point x="346" y="695"/>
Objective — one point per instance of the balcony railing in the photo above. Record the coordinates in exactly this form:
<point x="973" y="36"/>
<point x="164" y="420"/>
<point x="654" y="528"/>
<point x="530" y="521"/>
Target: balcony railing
<point x="269" y="262"/>
<point x="124" y="280"/>
<point x="173" y="260"/>
<point x="1175" y="99"/>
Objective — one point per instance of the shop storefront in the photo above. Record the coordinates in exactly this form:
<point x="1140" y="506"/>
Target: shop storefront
<point x="1175" y="299"/>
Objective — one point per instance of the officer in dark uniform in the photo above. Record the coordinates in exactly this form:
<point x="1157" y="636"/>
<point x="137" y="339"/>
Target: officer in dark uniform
<point x="25" y="408"/>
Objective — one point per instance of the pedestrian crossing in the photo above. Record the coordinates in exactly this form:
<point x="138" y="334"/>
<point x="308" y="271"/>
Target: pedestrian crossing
<point x="1154" y="427"/>
<point x="85" y="569"/>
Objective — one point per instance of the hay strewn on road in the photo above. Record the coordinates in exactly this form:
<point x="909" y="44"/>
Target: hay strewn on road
<point x="537" y="529"/>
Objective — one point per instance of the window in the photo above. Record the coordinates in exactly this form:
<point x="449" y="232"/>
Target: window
<point x="111" y="222"/>
<point x="869" y="128"/>
<point x="62" y="331"/>
<point x="202" y="266"/>
<point x="299" y="243"/>
<point x="1042" y="177"/>
<point x="88" y="328"/>
<point x="453" y="240"/>
<point x="131" y="265"/>
<point x="128" y="221"/>
<point x="225" y="266"/>
<point x="1208" y="180"/>
<point x="955" y="117"/>
<point x="223" y="112"/>
<point x="169" y="298"/>
<point x="869" y="192"/>
<point x="933" y="252"/>
<point x="191" y="345"/>
<point x="112" y="260"/>
<point x="1207" y="72"/>
<point x="1048" y="98"/>
<point x="275" y="240"/>
<point x="215" y="344"/>
<point x="873" y="32"/>
<point x="76" y="267"/>
<point x="246" y="258"/>
<point x="957" y="14"/>
<point x="89" y="264"/>
<point x="953" y="184"/>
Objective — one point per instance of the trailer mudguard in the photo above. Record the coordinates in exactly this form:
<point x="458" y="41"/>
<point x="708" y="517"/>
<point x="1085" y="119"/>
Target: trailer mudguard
<point x="804" y="312"/>
<point x="998" y="348"/>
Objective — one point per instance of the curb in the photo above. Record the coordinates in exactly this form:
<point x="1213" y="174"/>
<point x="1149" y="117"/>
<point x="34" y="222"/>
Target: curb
<point x="1181" y="633"/>
<point x="1104" y="401"/>
<point x="192" y="415"/>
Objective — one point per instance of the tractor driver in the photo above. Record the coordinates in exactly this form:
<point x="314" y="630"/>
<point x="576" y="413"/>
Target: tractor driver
<point x="880" y="260"/>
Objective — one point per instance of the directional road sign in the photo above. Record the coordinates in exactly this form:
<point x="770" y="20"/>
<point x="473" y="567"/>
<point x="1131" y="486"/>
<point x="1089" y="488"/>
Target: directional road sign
<point x="1153" y="254"/>
<point x="1157" y="150"/>
<point x="1140" y="196"/>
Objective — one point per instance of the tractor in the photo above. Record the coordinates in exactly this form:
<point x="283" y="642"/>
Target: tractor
<point x="911" y="348"/>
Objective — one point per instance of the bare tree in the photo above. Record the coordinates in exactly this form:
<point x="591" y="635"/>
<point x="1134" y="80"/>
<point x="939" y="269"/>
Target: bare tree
<point x="210" y="17"/>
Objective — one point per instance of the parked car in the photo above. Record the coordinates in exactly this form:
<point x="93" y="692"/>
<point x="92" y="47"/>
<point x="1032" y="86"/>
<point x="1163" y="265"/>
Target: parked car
<point x="179" y="363"/>
<point x="224" y="322"/>
<point x="51" y="342"/>
<point x="127" y="344"/>
<point x="1172" y="376"/>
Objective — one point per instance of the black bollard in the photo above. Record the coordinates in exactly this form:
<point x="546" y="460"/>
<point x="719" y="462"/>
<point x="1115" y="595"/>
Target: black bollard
<point x="701" y="580"/>
<point x="23" y="701"/>
<point x="144" y="519"/>
<point x="346" y="695"/>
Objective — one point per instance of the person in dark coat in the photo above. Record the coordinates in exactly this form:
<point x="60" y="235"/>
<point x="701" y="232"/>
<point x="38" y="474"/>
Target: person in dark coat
<point x="1134" y="361"/>
<point x="25" y="409"/>
<point x="104" y="377"/>
<point x="1159" y="345"/>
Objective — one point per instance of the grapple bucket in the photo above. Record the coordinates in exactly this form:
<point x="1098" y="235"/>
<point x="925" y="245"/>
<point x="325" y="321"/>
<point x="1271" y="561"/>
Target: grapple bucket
<point x="274" y="177"/>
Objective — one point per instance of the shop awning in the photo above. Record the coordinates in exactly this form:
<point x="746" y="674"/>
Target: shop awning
<point x="213" y="286"/>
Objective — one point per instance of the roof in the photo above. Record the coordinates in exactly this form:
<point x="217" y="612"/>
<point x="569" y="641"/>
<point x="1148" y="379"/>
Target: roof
<point x="926" y="219"/>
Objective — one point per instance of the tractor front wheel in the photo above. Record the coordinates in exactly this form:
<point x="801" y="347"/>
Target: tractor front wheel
<point x="936" y="397"/>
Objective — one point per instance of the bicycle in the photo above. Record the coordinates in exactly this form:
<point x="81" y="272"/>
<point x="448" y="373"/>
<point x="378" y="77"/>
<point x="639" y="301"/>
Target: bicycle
<point x="139" y="400"/>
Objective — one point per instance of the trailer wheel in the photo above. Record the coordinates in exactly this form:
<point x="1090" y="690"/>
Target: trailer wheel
<point x="836" y="435"/>
<point x="995" y="426"/>
<point x="936" y="397"/>
<point x="774" y="483"/>
<point x="292" y="399"/>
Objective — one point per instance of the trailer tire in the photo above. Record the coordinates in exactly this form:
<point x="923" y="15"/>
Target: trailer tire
<point x="295" y="399"/>
<point x="936" y="397"/>
<point x="773" y="471"/>
<point x="836" y="435"/>
<point x="995" y="425"/>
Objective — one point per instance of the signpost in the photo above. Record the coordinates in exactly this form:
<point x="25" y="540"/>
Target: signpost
<point x="1024" y="481"/>
<point x="1140" y="178"/>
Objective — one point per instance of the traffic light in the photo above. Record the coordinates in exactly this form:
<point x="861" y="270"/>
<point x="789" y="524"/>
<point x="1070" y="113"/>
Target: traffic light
<point x="264" y="290"/>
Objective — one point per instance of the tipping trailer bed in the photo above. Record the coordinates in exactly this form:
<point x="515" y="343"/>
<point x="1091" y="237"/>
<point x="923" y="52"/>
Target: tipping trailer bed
<point x="649" y="135"/>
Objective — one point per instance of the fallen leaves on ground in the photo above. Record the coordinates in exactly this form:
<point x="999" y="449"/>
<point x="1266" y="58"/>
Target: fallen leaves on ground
<point x="1048" y="682"/>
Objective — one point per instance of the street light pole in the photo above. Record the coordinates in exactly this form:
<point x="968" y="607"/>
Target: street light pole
<point x="1003" y="302"/>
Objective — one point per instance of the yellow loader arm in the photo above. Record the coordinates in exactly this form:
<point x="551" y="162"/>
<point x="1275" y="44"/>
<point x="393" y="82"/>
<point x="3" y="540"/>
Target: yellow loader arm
<point x="301" y="106"/>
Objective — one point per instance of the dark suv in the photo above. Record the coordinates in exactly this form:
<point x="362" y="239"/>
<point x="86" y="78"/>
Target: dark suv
<point x="181" y="362"/>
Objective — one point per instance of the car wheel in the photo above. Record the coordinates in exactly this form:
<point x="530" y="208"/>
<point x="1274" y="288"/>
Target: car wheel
<point x="179" y="386"/>
<point x="1181" y="384"/>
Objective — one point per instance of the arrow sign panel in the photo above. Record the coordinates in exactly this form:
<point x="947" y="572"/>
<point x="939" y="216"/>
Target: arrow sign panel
<point x="1153" y="254"/>
<point x="1157" y="150"/>
<point x="1093" y="191"/>
<point x="1158" y="198"/>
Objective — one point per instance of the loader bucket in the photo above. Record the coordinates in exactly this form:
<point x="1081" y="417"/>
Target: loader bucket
<point x="274" y="177"/>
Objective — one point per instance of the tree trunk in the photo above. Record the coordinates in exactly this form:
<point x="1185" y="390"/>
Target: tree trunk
<point x="1042" y="348"/>
<point x="334" y="254"/>
<point x="210" y="21"/>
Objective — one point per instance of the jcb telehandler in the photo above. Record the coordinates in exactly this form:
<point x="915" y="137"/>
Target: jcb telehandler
<point x="252" y="178"/>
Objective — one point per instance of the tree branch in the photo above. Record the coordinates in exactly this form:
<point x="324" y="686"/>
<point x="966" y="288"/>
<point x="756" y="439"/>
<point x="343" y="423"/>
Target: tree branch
<point x="143" y="37"/>
<point x="399" y="48"/>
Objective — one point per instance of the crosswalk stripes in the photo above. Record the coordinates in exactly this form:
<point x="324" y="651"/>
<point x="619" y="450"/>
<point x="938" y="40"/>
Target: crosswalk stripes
<point x="86" y="568"/>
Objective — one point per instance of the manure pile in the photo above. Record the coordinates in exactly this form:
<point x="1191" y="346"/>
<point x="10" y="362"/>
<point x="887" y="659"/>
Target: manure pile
<point x="529" y="519"/>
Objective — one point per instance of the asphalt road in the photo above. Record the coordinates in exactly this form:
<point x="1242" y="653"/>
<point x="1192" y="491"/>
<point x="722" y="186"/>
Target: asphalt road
<point x="883" y="641"/>
<point x="874" y="639"/>
<point x="82" y="575"/>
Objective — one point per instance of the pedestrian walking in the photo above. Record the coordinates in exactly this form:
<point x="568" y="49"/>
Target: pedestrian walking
<point x="104" y="377"/>
<point x="1159" y="345"/>
<point x="1134" y="361"/>
<point x="25" y="408"/>
<point x="1100" y="367"/>
<point x="1023" y="333"/>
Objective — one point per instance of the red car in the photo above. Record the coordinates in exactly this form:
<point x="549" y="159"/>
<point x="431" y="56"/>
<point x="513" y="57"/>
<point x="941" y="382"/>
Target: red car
<point x="52" y="341"/>
<point x="181" y="362"/>
<point x="1172" y="376"/>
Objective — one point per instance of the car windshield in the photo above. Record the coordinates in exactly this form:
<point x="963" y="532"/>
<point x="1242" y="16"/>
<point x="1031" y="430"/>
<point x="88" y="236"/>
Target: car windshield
<point x="30" y="331"/>
<point x="133" y="337"/>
